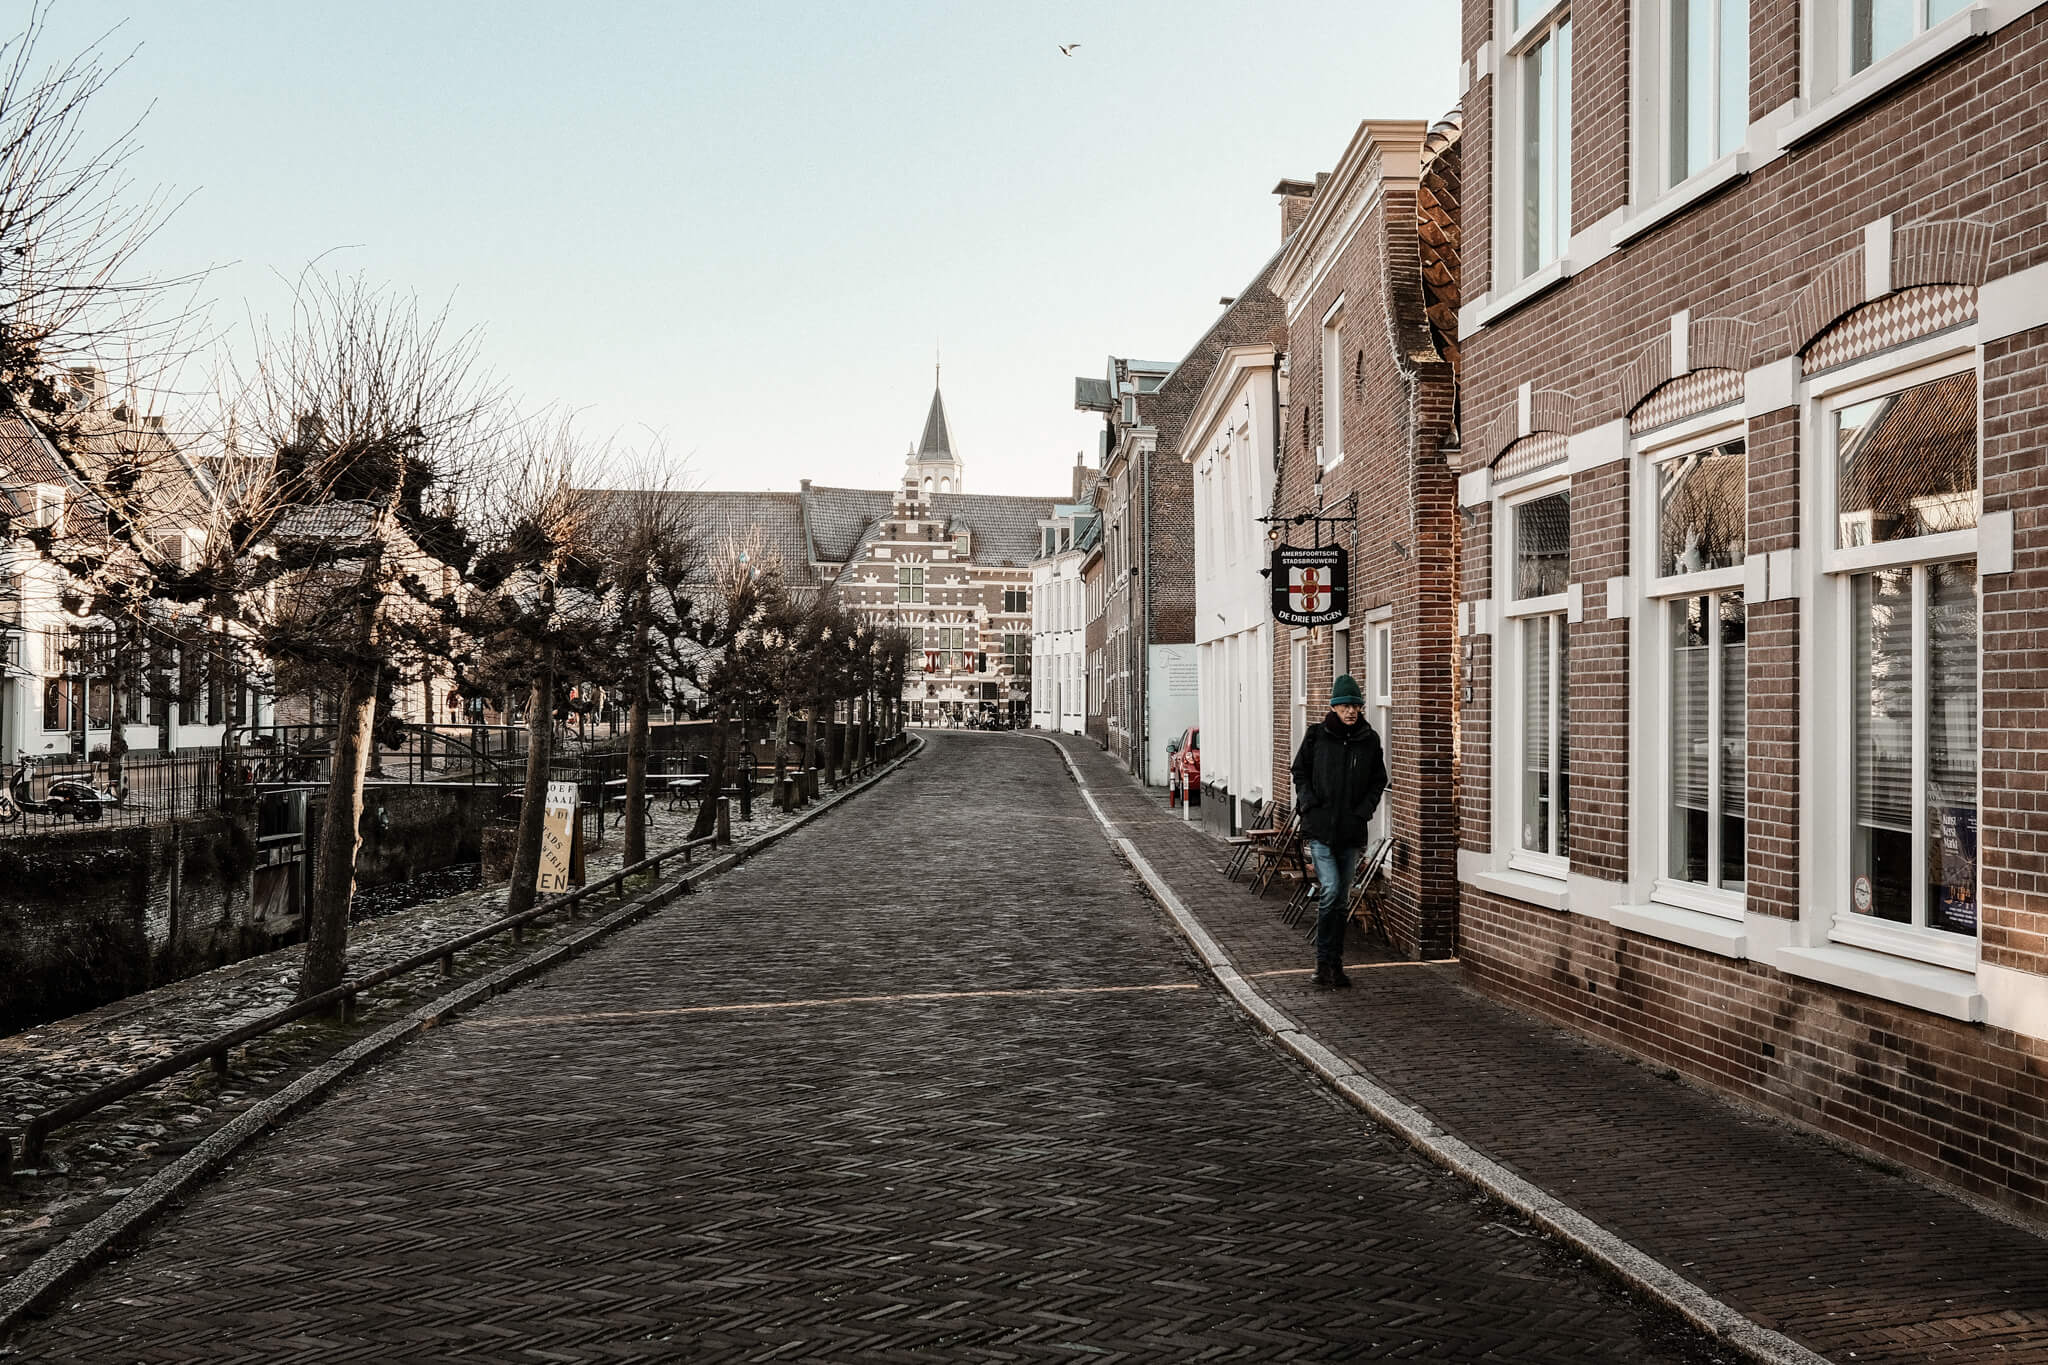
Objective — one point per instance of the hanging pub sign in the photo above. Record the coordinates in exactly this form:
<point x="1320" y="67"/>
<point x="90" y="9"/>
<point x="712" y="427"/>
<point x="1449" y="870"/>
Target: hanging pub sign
<point x="1311" y="587"/>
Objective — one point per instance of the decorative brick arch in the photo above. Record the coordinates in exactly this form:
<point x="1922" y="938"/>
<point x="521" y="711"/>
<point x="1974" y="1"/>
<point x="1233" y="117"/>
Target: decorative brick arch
<point x="1945" y="251"/>
<point x="1835" y="291"/>
<point x="1549" y="414"/>
<point x="1719" y="343"/>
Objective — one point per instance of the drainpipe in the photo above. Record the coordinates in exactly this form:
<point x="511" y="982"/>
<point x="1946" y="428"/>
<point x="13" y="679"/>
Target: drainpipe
<point x="1145" y="658"/>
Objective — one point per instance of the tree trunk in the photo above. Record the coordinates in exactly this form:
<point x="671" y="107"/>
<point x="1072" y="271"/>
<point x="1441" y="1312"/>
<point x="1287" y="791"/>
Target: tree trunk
<point x="810" y="736"/>
<point x="714" y="781"/>
<point x="833" y="747"/>
<point x="334" y="866"/>
<point x="540" y="736"/>
<point x="782" y="752"/>
<point x="636" y="750"/>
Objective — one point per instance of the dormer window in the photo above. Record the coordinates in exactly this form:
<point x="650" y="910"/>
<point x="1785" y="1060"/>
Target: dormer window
<point x="50" y="505"/>
<point x="960" y="543"/>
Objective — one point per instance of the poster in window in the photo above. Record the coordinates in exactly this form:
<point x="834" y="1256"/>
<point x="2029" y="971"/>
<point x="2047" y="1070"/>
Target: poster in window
<point x="1952" y="899"/>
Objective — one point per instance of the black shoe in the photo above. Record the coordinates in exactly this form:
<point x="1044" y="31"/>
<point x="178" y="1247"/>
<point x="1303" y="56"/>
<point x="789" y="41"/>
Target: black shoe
<point x="1323" y="981"/>
<point x="1338" y="980"/>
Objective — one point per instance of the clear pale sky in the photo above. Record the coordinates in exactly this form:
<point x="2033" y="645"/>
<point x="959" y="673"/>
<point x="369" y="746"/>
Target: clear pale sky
<point x="745" y="224"/>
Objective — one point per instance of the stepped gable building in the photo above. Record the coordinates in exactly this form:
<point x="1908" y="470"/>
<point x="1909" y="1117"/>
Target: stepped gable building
<point x="953" y="569"/>
<point x="1371" y="409"/>
<point x="1755" y="349"/>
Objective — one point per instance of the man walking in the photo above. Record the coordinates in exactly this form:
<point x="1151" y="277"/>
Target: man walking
<point x="1339" y="776"/>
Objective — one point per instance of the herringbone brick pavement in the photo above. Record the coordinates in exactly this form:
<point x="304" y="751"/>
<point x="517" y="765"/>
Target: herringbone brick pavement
<point x="932" y="1081"/>
<point x="1850" y="1260"/>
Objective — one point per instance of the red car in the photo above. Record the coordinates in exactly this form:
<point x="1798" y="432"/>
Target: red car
<point x="1184" y="763"/>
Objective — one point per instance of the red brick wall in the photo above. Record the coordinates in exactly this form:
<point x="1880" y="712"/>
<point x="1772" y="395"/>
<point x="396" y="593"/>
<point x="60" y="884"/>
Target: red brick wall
<point x="1397" y="412"/>
<point x="1909" y="1085"/>
<point x="2013" y="875"/>
<point x="1960" y="141"/>
<point x="1599" y="820"/>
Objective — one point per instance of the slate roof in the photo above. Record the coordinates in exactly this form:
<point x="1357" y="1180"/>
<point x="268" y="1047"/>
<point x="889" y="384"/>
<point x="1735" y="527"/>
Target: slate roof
<point x="840" y="520"/>
<point x="1004" y="529"/>
<point x="937" y="442"/>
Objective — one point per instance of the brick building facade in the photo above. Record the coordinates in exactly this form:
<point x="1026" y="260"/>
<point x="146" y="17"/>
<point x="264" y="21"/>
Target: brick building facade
<point x="1369" y="410"/>
<point x="1755" y="340"/>
<point x="949" y="568"/>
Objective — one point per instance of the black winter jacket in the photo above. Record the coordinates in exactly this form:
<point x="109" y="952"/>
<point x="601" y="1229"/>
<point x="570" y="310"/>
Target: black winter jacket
<point x="1339" y="776"/>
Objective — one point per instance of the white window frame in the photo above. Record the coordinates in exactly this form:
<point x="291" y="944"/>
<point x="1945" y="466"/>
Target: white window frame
<point x="1653" y="697"/>
<point x="1509" y="265"/>
<point x="1507" y="690"/>
<point x="1829" y="90"/>
<point x="1297" y="689"/>
<point x="1333" y="385"/>
<point x="1379" y="703"/>
<point x="910" y="583"/>
<point x="1654" y="79"/>
<point x="1832" y="625"/>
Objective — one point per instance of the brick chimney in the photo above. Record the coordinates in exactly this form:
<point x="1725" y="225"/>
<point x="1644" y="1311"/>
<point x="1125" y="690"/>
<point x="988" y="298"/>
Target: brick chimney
<point x="1295" y="197"/>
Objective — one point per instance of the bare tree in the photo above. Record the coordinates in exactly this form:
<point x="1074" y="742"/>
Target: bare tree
<point x="362" y="424"/>
<point x="649" y="536"/>
<point x="537" y="609"/>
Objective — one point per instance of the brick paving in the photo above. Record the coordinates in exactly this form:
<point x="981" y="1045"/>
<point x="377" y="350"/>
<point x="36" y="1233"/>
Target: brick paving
<point x="931" y="1080"/>
<point x="1850" y="1260"/>
<point x="91" y="1164"/>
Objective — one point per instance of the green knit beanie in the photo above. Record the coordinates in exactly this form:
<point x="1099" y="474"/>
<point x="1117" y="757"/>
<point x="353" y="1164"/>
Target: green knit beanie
<point x="1344" y="692"/>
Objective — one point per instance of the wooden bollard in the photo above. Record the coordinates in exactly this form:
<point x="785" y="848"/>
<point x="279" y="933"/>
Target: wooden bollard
<point x="725" y="819"/>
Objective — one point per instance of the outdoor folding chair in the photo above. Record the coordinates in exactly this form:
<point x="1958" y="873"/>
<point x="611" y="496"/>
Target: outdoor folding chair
<point x="1371" y="864"/>
<point x="1279" y="854"/>
<point x="1369" y="889"/>
<point x="1242" y="845"/>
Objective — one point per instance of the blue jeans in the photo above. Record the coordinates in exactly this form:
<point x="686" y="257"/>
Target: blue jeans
<point x="1335" y="867"/>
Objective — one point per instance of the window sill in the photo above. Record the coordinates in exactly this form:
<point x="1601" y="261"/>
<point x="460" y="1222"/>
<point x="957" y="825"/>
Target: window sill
<point x="1542" y="282"/>
<point x="1938" y="990"/>
<point x="1693" y="928"/>
<point x="1922" y="52"/>
<point x="1683" y="196"/>
<point x="1548" y="892"/>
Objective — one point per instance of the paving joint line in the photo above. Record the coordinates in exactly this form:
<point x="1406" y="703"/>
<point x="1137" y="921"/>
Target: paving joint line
<point x="1623" y="1259"/>
<point x="57" y="1269"/>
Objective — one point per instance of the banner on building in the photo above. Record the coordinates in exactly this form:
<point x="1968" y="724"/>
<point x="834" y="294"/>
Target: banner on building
<point x="560" y="849"/>
<point x="1311" y="587"/>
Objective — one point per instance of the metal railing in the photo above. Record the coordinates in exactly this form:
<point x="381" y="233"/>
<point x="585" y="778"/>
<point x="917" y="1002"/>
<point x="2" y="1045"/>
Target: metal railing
<point x="218" y="1048"/>
<point x="150" y="791"/>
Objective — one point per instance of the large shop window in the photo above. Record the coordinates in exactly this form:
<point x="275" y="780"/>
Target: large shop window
<point x="1698" y="733"/>
<point x="1537" y="156"/>
<point x="1537" y="713"/>
<point x="1905" y="630"/>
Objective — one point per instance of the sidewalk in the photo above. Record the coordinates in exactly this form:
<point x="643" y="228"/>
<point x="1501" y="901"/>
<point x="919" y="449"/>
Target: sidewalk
<point x="1843" y="1257"/>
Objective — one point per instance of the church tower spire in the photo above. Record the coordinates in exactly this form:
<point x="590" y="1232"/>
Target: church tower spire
<point x="935" y="465"/>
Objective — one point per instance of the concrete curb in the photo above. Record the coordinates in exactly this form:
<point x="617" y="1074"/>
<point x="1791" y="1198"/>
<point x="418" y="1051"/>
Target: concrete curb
<point x="64" y="1264"/>
<point x="1627" y="1262"/>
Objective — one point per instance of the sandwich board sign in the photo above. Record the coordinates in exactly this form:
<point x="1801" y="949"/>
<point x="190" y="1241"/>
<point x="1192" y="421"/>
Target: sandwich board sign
<point x="561" y="851"/>
<point x="1311" y="586"/>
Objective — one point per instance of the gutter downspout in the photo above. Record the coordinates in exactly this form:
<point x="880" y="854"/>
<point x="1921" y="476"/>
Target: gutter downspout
<point x="1145" y="658"/>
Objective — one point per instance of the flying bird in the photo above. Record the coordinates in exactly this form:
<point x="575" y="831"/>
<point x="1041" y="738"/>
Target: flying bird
<point x="1067" y="49"/>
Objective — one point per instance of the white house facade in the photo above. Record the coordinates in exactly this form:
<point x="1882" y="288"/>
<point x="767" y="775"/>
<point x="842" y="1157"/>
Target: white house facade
<point x="1230" y="440"/>
<point x="1059" y="622"/>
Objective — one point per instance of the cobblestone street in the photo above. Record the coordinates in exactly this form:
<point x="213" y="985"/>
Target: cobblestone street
<point x="931" y="1080"/>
